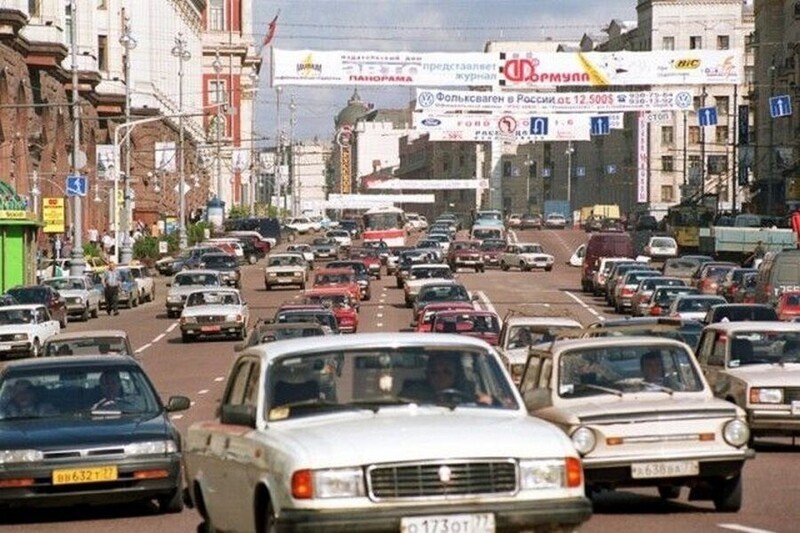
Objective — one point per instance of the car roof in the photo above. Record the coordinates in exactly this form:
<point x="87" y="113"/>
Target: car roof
<point x="90" y="333"/>
<point x="599" y="342"/>
<point x="18" y="307"/>
<point x="198" y="271"/>
<point x="559" y="321"/>
<point x="71" y="361"/>
<point x="642" y="321"/>
<point x="764" y="325"/>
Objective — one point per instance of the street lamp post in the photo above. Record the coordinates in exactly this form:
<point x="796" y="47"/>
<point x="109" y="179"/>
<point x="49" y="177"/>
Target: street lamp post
<point x="253" y="159"/>
<point x="180" y="51"/>
<point x="292" y="177"/>
<point x="570" y="150"/>
<point x="217" y="66"/>
<point x="35" y="193"/>
<point x="77" y="263"/>
<point x="128" y="43"/>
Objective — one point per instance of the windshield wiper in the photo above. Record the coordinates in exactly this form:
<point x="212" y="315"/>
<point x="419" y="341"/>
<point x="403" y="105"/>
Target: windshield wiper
<point x="375" y="404"/>
<point x="609" y="390"/>
<point x="661" y="388"/>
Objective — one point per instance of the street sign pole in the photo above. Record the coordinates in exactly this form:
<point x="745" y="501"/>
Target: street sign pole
<point x="77" y="264"/>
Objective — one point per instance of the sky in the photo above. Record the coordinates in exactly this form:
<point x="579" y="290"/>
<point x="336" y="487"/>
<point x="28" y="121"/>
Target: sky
<point x="402" y="25"/>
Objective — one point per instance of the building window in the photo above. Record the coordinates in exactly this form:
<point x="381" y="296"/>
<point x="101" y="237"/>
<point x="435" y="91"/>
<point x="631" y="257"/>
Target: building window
<point x="667" y="163"/>
<point x="749" y="74"/>
<point x="507" y="169"/>
<point x="102" y="53"/>
<point x="717" y="164"/>
<point x="694" y="161"/>
<point x="667" y="193"/>
<point x="723" y="104"/>
<point x="694" y="134"/>
<point x="216" y="15"/>
<point x="667" y="135"/>
<point x="723" y="42"/>
<point x="668" y="43"/>
<point x="35" y="8"/>
<point x="216" y="91"/>
<point x="695" y="42"/>
<point x="722" y="135"/>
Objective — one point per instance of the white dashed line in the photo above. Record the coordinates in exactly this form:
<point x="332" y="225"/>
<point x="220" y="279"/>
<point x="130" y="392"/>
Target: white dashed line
<point x="143" y="347"/>
<point x="175" y="417"/>
<point x="191" y="403"/>
<point x="159" y="337"/>
<point x="737" y="527"/>
<point x="585" y="305"/>
<point x="204" y="391"/>
<point x="219" y="378"/>
<point x="379" y="324"/>
<point x="172" y="327"/>
<point x="380" y="307"/>
<point x="380" y="315"/>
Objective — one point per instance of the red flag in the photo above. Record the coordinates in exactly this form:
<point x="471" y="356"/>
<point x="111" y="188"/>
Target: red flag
<point x="270" y="31"/>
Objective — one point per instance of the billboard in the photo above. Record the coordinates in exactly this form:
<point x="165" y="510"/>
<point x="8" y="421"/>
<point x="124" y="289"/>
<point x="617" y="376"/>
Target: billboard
<point x="53" y="215"/>
<point x="506" y="128"/>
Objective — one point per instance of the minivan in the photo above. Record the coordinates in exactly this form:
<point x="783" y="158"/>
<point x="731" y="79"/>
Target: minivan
<point x="603" y="245"/>
<point x="481" y="233"/>
<point x="778" y="272"/>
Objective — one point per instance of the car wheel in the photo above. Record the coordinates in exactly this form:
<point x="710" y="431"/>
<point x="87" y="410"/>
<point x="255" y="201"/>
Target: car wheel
<point x="399" y="284"/>
<point x="302" y="286"/>
<point x="669" y="492"/>
<point x="728" y="495"/>
<point x="503" y="266"/>
<point x="523" y="267"/>
<point x="152" y="295"/>
<point x="242" y="334"/>
<point x="63" y="322"/>
<point x="172" y="503"/>
<point x="266" y="286"/>
<point x="96" y="310"/>
<point x="36" y="349"/>
<point x="548" y="269"/>
<point x="268" y="524"/>
<point x="379" y="275"/>
<point x="186" y="338"/>
<point x="85" y="314"/>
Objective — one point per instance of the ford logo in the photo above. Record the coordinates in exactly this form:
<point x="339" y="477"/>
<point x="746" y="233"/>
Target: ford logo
<point x="431" y="122"/>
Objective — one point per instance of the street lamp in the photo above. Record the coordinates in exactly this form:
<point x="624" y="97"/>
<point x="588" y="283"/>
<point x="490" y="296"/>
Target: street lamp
<point x="128" y="43"/>
<point x="180" y="51"/>
<point x="292" y="184"/>
<point x="217" y="66"/>
<point x="77" y="262"/>
<point x="35" y="193"/>
<point x="569" y="151"/>
<point x="253" y="75"/>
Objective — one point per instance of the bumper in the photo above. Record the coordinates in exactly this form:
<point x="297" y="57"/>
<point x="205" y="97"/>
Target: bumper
<point x="518" y="515"/>
<point x="75" y="308"/>
<point x="217" y="328"/>
<point x="288" y="280"/>
<point x="472" y="263"/>
<point x="174" y="306"/>
<point x="540" y="264"/>
<point x="125" y="489"/>
<point x="14" y="348"/>
<point x="773" y="422"/>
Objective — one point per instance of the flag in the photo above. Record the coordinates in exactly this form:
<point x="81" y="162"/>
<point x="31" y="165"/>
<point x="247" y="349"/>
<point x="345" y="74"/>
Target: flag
<point x="270" y="31"/>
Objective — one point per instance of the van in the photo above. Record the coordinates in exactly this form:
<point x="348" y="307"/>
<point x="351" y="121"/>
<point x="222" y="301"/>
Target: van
<point x="778" y="272"/>
<point x="269" y="228"/>
<point x="482" y="233"/>
<point x="603" y="245"/>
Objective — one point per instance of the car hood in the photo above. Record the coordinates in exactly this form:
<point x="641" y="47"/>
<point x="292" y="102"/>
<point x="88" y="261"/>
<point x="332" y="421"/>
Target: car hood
<point x="414" y="285"/>
<point x="287" y="268"/>
<point x="611" y="408"/>
<point x="73" y="293"/>
<point x="517" y="356"/>
<point x="414" y="433"/>
<point x="202" y="310"/>
<point x="768" y="375"/>
<point x="532" y="255"/>
<point x="15" y="328"/>
<point x="59" y="432"/>
<point x="184" y="290"/>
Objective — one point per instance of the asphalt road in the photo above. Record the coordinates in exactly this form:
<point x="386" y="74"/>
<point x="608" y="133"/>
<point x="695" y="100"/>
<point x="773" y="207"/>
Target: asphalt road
<point x="198" y="370"/>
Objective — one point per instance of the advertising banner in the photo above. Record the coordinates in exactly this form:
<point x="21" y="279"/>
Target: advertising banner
<point x="53" y="215"/>
<point x="166" y="157"/>
<point x="439" y="69"/>
<point x="365" y="201"/>
<point x="442" y="101"/>
<point x="542" y="70"/>
<point x="399" y="184"/>
<point x="506" y="128"/>
<point x="642" y="162"/>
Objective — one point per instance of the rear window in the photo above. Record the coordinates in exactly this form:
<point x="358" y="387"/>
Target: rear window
<point x="739" y="314"/>
<point x="787" y="273"/>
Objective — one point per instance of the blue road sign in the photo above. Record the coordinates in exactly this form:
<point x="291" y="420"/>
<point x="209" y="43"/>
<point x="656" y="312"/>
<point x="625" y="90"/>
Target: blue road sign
<point x="707" y="116"/>
<point x="76" y="185"/>
<point x="611" y="169"/>
<point x="539" y="125"/>
<point x="780" y="106"/>
<point x="545" y="172"/>
<point x="580" y="171"/>
<point x="600" y="125"/>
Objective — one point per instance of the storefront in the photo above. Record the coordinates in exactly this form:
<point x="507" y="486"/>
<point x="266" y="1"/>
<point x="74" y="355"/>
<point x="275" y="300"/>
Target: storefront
<point x="18" y="229"/>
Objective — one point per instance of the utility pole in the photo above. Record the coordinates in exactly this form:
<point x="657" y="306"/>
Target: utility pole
<point x="771" y="147"/>
<point x="279" y="148"/>
<point x="182" y="53"/>
<point x="77" y="263"/>
<point x="217" y="66"/>
<point x="703" y="148"/>
<point x="569" y="152"/>
<point x="252" y="188"/>
<point x="128" y="43"/>
<point x="292" y="177"/>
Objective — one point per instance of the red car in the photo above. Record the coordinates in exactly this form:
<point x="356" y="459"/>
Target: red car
<point x="465" y="254"/>
<point x="339" y="278"/>
<point x="370" y="257"/>
<point x="425" y="317"/>
<point x="491" y="250"/>
<point x="340" y="302"/>
<point x="484" y="325"/>
<point x="788" y="307"/>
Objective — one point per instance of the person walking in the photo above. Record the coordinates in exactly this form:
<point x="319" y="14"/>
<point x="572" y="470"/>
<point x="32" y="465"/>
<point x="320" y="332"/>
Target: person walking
<point x="111" y="283"/>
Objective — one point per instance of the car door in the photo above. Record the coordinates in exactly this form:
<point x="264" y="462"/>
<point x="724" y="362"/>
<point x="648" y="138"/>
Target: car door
<point x="46" y="324"/>
<point x="711" y="356"/>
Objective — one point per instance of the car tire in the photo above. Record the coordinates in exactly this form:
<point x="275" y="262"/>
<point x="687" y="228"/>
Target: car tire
<point x="399" y="284"/>
<point x="268" y="523"/>
<point x="152" y="295"/>
<point x="668" y="492"/>
<point x="728" y="494"/>
<point x="302" y="286"/>
<point x="36" y="348"/>
<point x="186" y="338"/>
<point x="171" y="503"/>
<point x="523" y="267"/>
<point x="63" y="323"/>
<point x="548" y="269"/>
<point x="503" y="266"/>
<point x="85" y="314"/>
<point x="96" y="310"/>
<point x="266" y="287"/>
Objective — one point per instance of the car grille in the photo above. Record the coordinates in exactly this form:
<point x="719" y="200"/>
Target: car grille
<point x="7" y="338"/>
<point x="285" y="274"/>
<point x="425" y="480"/>
<point x="73" y="300"/>
<point x="210" y="319"/>
<point x="78" y="453"/>
<point x="791" y="394"/>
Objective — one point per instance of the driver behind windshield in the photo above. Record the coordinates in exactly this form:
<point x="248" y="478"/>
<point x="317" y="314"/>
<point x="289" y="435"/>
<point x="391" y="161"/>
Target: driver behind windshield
<point x="444" y="381"/>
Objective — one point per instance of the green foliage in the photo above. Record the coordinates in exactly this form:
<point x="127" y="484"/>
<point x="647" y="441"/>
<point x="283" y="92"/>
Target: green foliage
<point x="91" y="250"/>
<point x="146" y="250"/>
<point x="239" y="211"/>
<point x="195" y="233"/>
<point x="263" y="210"/>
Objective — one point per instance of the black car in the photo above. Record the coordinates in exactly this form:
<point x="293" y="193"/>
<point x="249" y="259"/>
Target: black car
<point x="351" y="225"/>
<point x="324" y="317"/>
<point x="7" y="299"/>
<point x="362" y="275"/>
<point x="741" y="312"/>
<point x="681" y="329"/>
<point x="87" y="429"/>
<point x="44" y="295"/>
<point x="226" y="265"/>
<point x="188" y="260"/>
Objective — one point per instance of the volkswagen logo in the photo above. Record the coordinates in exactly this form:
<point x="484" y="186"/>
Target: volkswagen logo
<point x="683" y="99"/>
<point x="425" y="99"/>
<point x="445" y="474"/>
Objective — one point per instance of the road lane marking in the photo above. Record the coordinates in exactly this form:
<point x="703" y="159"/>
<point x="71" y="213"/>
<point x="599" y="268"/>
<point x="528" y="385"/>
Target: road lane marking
<point x="379" y="324"/>
<point x="381" y="307"/>
<point x="143" y="347"/>
<point x="737" y="527"/>
<point x="159" y="337"/>
<point x="380" y="315"/>
<point x="175" y="417"/>
<point x="219" y="378"/>
<point x="585" y="305"/>
<point x="203" y="391"/>
<point x="172" y="327"/>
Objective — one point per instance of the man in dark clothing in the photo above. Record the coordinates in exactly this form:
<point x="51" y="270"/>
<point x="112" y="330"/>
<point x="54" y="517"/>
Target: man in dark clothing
<point x="111" y="283"/>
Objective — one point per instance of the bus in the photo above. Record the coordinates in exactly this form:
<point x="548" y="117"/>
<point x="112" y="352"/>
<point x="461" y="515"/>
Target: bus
<point x="387" y="224"/>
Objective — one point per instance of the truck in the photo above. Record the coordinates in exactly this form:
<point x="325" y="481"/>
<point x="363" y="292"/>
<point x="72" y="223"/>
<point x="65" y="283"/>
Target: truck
<point x="560" y="207"/>
<point x="739" y="241"/>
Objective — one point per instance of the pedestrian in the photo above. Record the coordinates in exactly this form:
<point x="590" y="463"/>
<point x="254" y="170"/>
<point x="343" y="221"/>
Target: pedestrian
<point x="93" y="235"/>
<point x="111" y="285"/>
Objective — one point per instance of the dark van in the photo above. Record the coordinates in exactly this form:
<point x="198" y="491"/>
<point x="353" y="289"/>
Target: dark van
<point x="603" y="245"/>
<point x="778" y="272"/>
<point x="269" y="228"/>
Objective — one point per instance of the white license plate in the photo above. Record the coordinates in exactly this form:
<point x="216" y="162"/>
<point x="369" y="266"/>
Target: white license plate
<point x="453" y="523"/>
<point x="5" y="347"/>
<point x="795" y="404"/>
<point x="665" y="469"/>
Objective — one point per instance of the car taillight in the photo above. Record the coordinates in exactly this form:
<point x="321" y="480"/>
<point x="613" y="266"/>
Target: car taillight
<point x="627" y="291"/>
<point x="655" y="310"/>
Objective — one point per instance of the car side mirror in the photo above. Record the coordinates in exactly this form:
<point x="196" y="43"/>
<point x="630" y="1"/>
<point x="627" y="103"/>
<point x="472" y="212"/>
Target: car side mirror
<point x="238" y="415"/>
<point x="177" y="403"/>
<point x="474" y="298"/>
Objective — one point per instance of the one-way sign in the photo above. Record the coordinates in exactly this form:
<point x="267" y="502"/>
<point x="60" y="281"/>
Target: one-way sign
<point x="600" y="125"/>
<point x="707" y="116"/>
<point x="780" y="106"/>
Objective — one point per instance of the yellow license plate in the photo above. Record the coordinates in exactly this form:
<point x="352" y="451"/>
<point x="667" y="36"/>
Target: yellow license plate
<point x="69" y="476"/>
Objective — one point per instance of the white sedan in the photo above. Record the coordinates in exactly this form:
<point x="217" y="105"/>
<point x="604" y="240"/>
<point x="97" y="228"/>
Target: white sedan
<point x="341" y="236"/>
<point x="693" y="306"/>
<point x="81" y="296"/>
<point x="379" y="432"/>
<point x="661" y="248"/>
<point x="214" y="312"/>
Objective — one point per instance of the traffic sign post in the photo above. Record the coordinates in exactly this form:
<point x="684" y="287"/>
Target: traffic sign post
<point x="780" y="106"/>
<point x="76" y="185"/>
<point x="600" y="125"/>
<point x="539" y="125"/>
<point x="707" y="116"/>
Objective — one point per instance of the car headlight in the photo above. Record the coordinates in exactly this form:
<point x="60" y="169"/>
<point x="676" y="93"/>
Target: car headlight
<point x="766" y="395"/>
<point x="20" y="336"/>
<point x="20" y="456"/>
<point x="152" y="447"/>
<point x="297" y="274"/>
<point x="335" y="483"/>
<point x="736" y="433"/>
<point x="584" y="440"/>
<point x="173" y="299"/>
<point x="233" y="318"/>
<point x="188" y="320"/>
<point x="541" y="474"/>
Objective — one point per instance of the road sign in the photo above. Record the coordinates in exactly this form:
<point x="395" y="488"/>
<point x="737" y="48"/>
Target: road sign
<point x="611" y="169"/>
<point x="76" y="185"/>
<point x="600" y="125"/>
<point x="53" y="215"/>
<point x="580" y="171"/>
<point x="707" y="116"/>
<point x="780" y="106"/>
<point x="545" y="172"/>
<point x="539" y="125"/>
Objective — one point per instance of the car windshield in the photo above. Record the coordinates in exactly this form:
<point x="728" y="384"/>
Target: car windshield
<point x="219" y="261"/>
<point x="284" y="260"/>
<point x="270" y="333"/>
<point x="626" y="369"/>
<point x="492" y="246"/>
<point x="87" y="346"/>
<point x="439" y="293"/>
<point x="464" y="246"/>
<point x="325" y="319"/>
<point x="15" y="316"/>
<point x="663" y="243"/>
<point x="530" y="249"/>
<point x="688" y="331"/>
<point x="329" y="300"/>
<point x="183" y="280"/>
<point x="530" y="334"/>
<point x="333" y="279"/>
<point x="484" y="233"/>
<point x="317" y="383"/>
<point x="63" y="284"/>
<point x="213" y="298"/>
<point x="716" y="272"/>
<point x="69" y="391"/>
<point x="322" y="241"/>
<point x="665" y="296"/>
<point x="433" y="272"/>
<point x="467" y="323"/>
<point x="697" y="304"/>
<point x="29" y="295"/>
<point x="678" y="266"/>
<point x="764" y="347"/>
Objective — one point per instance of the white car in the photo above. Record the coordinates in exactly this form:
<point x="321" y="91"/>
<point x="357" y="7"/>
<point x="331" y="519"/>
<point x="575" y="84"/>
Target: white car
<point x="520" y="332"/>
<point x="341" y="236"/>
<point x="640" y="413"/>
<point x="185" y="283"/>
<point x="693" y="306"/>
<point x="213" y="312"/>
<point x="24" y="328"/>
<point x="555" y="221"/>
<point x="80" y="295"/>
<point x="420" y="275"/>
<point x="145" y="282"/>
<point x="659" y="247"/>
<point x="285" y="270"/>
<point x="302" y="248"/>
<point x="526" y="256"/>
<point x="314" y="425"/>
<point x="302" y="225"/>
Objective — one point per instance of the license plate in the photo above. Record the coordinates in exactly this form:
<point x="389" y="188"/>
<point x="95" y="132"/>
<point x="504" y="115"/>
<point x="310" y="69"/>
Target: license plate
<point x="209" y="328"/>
<point x="69" y="476"/>
<point x="454" y="523"/>
<point x="795" y="407"/>
<point x="665" y="469"/>
<point x="5" y="347"/>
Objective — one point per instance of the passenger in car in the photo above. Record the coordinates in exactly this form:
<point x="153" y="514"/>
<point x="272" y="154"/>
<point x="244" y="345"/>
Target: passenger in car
<point x="444" y="381"/>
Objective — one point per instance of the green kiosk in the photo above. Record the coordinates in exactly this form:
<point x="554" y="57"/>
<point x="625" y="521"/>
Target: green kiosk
<point x="18" y="230"/>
